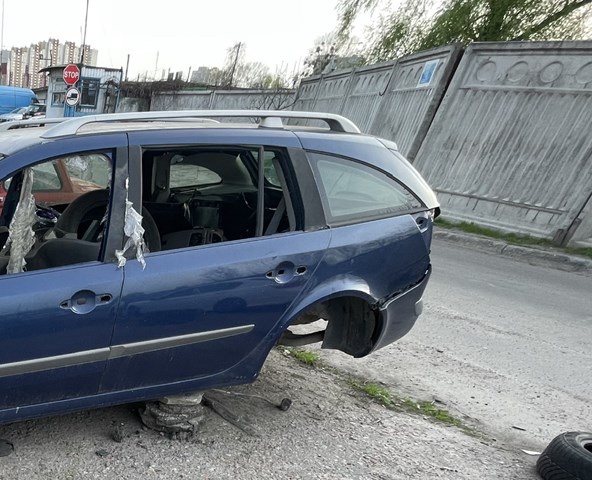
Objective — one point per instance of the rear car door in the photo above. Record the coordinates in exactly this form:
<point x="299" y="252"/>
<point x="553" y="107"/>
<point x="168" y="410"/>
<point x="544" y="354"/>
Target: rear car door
<point x="58" y="314"/>
<point x="201" y="311"/>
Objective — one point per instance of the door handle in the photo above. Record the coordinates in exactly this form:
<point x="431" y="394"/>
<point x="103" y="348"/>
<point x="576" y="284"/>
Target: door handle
<point x="285" y="272"/>
<point x="85" y="301"/>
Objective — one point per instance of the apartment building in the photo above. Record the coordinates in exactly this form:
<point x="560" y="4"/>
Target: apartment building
<point x="22" y="68"/>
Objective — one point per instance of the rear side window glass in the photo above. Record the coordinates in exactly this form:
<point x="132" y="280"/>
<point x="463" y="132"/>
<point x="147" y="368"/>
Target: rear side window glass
<point x="352" y="190"/>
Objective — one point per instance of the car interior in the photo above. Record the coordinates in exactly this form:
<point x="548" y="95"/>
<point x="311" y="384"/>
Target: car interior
<point x="190" y="197"/>
<point x="206" y="196"/>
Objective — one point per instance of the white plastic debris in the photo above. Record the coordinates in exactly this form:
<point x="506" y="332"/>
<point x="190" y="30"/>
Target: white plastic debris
<point x="530" y="452"/>
<point x="21" y="236"/>
<point x="135" y="232"/>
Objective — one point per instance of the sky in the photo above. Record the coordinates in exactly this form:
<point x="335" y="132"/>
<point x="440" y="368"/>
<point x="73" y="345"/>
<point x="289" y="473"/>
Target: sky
<point x="183" y="33"/>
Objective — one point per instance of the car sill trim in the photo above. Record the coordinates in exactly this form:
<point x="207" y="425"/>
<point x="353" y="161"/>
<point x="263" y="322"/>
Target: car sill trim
<point x="117" y="351"/>
<point x="58" y="361"/>
<point x="147" y="346"/>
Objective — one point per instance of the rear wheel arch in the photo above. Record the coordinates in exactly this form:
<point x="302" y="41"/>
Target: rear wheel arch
<point x="353" y="323"/>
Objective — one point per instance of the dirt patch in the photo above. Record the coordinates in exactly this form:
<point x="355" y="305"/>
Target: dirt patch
<point x="330" y="431"/>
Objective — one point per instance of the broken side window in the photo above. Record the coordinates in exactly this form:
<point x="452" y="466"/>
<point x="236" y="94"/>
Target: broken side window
<point x="54" y="213"/>
<point x="201" y="195"/>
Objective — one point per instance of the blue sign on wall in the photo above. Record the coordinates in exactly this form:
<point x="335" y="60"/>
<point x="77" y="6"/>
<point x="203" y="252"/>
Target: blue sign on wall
<point x="428" y="72"/>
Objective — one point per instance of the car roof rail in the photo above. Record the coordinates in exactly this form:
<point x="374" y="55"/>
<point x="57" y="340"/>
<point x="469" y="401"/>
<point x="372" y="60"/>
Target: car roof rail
<point x="41" y="122"/>
<point x="267" y="119"/>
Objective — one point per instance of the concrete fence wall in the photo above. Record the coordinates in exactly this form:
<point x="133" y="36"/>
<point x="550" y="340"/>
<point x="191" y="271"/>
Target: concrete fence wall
<point x="211" y="100"/>
<point x="511" y="144"/>
<point x="395" y="100"/>
<point x="504" y="136"/>
<point x="223" y="100"/>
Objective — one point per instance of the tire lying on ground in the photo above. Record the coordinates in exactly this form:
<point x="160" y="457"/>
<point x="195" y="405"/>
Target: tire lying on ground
<point x="567" y="457"/>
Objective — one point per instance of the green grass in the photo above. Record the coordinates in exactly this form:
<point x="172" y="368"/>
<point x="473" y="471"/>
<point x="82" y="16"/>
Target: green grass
<point x="429" y="409"/>
<point x="511" y="238"/>
<point x="374" y="391"/>
<point x="585" y="252"/>
<point x="380" y="394"/>
<point x="384" y="397"/>
<point x="305" y="356"/>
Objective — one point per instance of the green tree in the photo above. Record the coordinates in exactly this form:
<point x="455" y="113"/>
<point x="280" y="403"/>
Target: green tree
<point x="421" y="24"/>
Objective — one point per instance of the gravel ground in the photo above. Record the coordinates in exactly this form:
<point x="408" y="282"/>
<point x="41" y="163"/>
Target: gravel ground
<point x="330" y="431"/>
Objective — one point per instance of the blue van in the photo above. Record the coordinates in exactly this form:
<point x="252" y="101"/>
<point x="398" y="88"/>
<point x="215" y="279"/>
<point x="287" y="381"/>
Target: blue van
<point x="15" y="97"/>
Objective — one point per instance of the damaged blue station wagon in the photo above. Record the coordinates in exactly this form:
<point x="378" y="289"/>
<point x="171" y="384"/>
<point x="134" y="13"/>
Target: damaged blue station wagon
<point x="196" y="247"/>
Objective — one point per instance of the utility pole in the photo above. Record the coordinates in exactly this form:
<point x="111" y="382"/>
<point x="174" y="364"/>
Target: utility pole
<point x="127" y="66"/>
<point x="84" y="37"/>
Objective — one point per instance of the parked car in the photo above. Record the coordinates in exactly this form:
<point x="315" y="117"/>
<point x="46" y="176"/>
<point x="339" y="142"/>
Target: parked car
<point x="16" y="114"/>
<point x="199" y="246"/>
<point x="35" y="110"/>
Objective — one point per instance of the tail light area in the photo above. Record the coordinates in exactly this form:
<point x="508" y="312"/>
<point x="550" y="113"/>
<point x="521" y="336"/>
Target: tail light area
<point x="425" y="223"/>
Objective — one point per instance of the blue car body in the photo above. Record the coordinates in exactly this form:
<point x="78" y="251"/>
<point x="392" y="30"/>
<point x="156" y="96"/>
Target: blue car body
<point x="89" y="332"/>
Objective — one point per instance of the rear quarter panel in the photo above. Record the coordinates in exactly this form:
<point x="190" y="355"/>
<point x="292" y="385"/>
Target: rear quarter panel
<point x="374" y="261"/>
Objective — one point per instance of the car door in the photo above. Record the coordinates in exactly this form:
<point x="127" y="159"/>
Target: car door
<point x="56" y="322"/>
<point x="197" y="312"/>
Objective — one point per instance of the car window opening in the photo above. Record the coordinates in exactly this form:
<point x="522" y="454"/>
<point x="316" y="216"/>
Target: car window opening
<point x="201" y="196"/>
<point x="55" y="213"/>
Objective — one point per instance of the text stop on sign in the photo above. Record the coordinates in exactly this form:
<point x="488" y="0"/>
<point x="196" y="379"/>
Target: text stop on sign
<point x="71" y="74"/>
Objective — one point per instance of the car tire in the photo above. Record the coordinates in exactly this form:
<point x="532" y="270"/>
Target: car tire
<point x="567" y="457"/>
<point x="92" y="205"/>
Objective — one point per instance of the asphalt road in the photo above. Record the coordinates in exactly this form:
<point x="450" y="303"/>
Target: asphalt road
<point x="502" y="343"/>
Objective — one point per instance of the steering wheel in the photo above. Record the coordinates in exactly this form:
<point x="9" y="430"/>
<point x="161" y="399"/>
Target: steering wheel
<point x="84" y="217"/>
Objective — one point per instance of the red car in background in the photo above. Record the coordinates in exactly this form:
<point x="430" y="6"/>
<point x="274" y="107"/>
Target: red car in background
<point x="59" y="182"/>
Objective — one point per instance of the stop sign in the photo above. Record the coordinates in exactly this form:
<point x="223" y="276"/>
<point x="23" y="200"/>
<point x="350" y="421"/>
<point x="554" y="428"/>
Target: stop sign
<point x="71" y="74"/>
